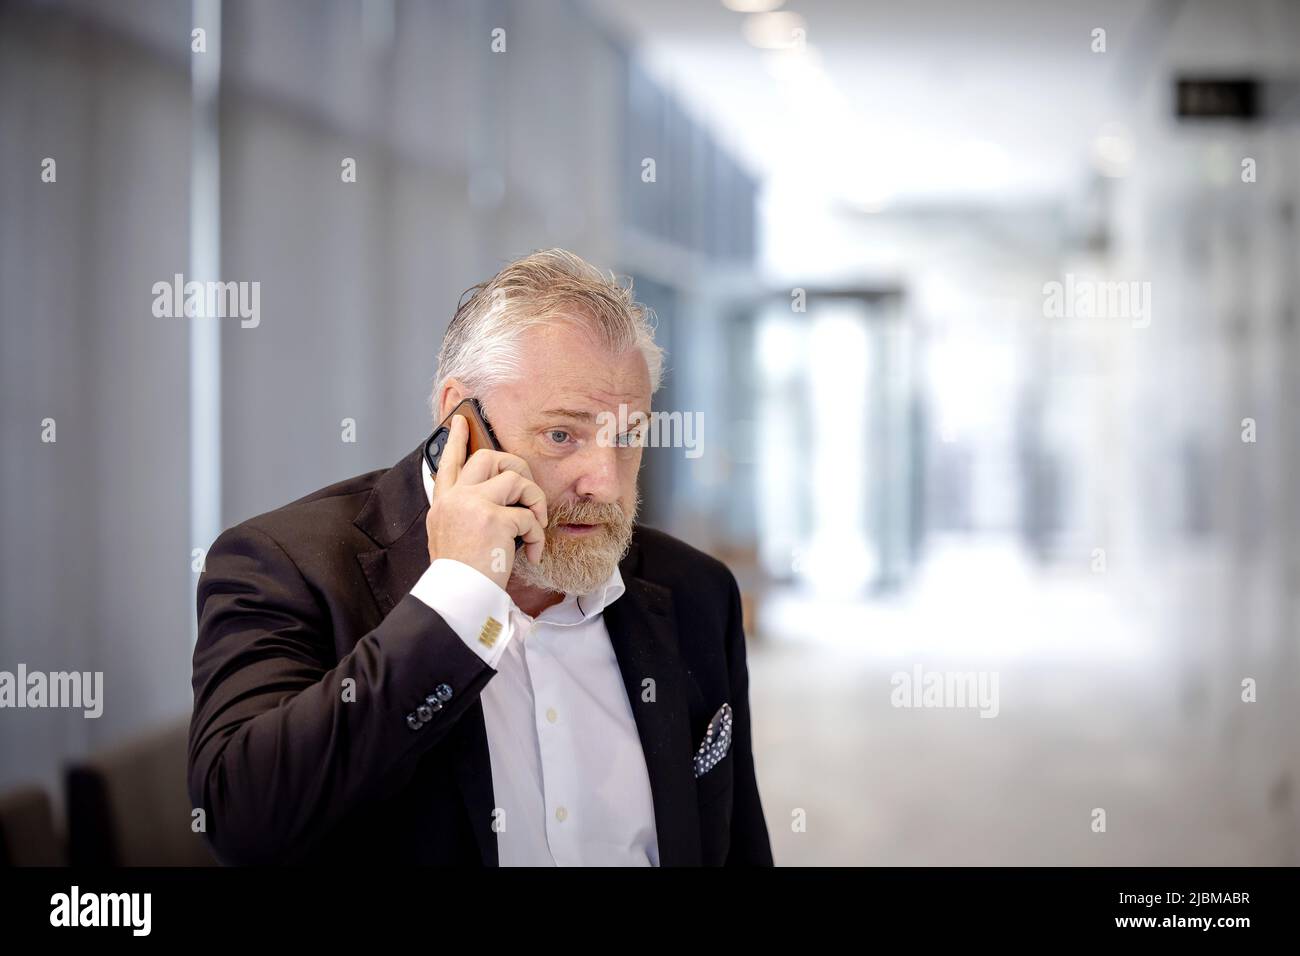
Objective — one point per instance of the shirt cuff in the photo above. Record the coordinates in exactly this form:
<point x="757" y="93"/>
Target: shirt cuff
<point x="472" y="605"/>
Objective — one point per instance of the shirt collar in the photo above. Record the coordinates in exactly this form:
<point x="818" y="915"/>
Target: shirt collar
<point x="575" y="608"/>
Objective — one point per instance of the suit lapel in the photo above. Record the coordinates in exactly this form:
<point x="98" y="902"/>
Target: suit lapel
<point x="390" y="517"/>
<point x="642" y="628"/>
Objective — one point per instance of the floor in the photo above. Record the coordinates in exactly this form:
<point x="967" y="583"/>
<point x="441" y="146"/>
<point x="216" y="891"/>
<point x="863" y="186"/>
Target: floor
<point x="1093" y="713"/>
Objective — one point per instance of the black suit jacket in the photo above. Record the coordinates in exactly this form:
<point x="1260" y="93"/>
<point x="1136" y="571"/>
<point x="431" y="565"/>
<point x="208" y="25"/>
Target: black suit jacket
<point x="311" y="654"/>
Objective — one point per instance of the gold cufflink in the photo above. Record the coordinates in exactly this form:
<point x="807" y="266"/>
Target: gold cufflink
<point x="491" y="630"/>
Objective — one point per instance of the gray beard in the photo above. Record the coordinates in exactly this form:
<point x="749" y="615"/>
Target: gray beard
<point x="576" y="566"/>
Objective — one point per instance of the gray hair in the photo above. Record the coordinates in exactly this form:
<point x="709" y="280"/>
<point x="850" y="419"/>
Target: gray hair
<point x="482" y="346"/>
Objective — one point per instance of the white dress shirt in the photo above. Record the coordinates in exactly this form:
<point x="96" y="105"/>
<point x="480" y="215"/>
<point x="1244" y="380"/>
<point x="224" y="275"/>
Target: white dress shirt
<point x="568" y="772"/>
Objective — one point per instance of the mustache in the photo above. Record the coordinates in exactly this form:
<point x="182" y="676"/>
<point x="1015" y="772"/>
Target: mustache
<point x="585" y="512"/>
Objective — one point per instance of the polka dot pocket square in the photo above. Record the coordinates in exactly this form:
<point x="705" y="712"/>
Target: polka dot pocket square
<point x="717" y="741"/>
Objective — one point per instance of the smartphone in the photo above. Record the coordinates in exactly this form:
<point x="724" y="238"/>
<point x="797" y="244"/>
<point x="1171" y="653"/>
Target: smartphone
<point x="480" y="436"/>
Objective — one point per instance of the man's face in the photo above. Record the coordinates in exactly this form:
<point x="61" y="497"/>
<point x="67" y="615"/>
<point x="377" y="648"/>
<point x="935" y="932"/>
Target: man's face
<point x="551" y="416"/>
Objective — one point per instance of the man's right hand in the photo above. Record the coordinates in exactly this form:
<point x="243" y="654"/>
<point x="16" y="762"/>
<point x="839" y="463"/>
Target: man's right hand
<point x="480" y="506"/>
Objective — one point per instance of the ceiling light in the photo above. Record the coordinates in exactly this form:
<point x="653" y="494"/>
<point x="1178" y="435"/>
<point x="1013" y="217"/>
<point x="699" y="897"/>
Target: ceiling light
<point x="781" y="30"/>
<point x="752" y="6"/>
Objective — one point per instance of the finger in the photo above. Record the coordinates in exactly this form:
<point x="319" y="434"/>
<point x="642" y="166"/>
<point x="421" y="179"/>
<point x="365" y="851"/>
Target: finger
<point x="527" y="527"/>
<point x="453" y="455"/>
<point x="511" y="488"/>
<point x="487" y="463"/>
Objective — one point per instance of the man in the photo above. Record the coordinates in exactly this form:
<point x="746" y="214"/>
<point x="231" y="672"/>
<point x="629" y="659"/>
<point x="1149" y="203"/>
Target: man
<point x="381" y="676"/>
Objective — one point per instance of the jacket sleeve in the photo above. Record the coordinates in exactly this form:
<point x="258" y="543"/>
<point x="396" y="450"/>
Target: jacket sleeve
<point x="284" y="741"/>
<point x="749" y="844"/>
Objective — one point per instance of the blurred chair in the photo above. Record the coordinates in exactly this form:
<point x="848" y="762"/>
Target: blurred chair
<point x="129" y="806"/>
<point x="27" y="835"/>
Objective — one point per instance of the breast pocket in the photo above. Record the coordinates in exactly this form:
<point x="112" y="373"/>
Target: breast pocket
<point x="715" y="790"/>
<point x="716" y="782"/>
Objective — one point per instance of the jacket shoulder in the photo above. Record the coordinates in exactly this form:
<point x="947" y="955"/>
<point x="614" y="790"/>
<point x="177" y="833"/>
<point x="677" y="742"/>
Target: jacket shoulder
<point x="325" y="513"/>
<point x="673" y="563"/>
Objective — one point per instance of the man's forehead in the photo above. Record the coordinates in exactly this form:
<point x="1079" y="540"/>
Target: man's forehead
<point x="566" y="370"/>
<point x="583" y="405"/>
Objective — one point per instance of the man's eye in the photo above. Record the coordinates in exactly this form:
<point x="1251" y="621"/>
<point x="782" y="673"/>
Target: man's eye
<point x="556" y="431"/>
<point x="628" y="439"/>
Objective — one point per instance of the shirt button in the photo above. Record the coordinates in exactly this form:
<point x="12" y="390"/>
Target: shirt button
<point x="561" y="814"/>
<point x="551" y="715"/>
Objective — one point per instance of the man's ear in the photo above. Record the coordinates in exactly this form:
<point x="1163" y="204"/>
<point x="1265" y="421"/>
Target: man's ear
<point x="452" y="394"/>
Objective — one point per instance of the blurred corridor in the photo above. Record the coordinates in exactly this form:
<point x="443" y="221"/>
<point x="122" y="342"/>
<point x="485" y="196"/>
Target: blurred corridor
<point x="990" y="319"/>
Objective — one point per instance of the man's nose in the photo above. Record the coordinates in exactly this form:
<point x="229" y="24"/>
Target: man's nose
<point x="598" y="478"/>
